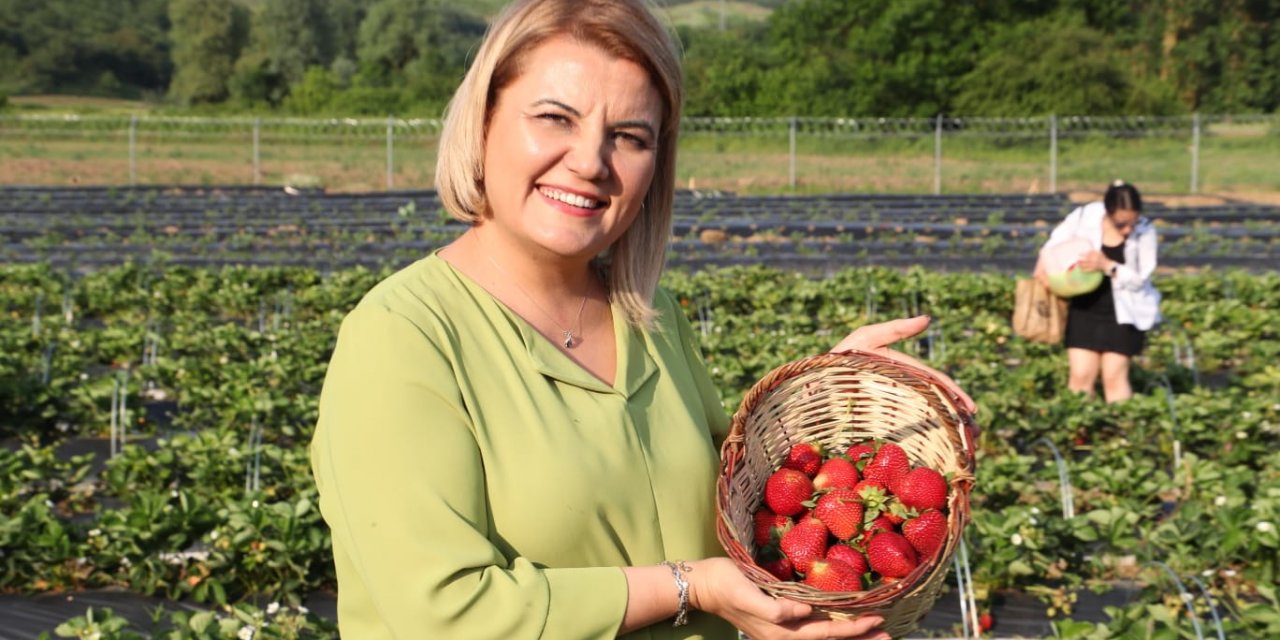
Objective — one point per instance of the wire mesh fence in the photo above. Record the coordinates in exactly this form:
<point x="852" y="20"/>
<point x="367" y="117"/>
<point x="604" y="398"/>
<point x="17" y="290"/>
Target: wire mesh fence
<point x="1172" y="154"/>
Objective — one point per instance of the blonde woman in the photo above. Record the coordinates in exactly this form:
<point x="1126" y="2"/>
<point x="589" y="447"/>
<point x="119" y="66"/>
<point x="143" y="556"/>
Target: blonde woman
<point x="517" y="435"/>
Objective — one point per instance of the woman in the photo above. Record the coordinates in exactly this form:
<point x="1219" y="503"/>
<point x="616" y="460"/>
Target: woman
<point x="517" y="435"/>
<point x="1107" y="327"/>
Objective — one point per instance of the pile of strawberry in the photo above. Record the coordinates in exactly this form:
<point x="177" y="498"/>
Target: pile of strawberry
<point x="849" y="520"/>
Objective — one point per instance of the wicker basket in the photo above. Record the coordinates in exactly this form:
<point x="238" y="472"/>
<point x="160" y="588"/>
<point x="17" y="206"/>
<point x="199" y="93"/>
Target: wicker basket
<point x="834" y="400"/>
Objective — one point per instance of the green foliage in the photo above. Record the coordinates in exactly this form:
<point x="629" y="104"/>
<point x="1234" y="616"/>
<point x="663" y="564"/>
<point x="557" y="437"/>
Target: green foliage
<point x="208" y="36"/>
<point x="1074" y="72"/>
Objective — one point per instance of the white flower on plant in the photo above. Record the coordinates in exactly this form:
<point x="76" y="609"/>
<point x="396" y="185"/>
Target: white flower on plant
<point x="96" y="635"/>
<point x="213" y="535"/>
<point x="1219" y="501"/>
<point x="93" y="533"/>
<point x="84" y="376"/>
<point x="1035" y="510"/>
<point x="254" y="504"/>
<point x="303" y="610"/>
<point x="1266" y="527"/>
<point x="1241" y="435"/>
<point x="1208" y="573"/>
<point x="245" y="633"/>
<point x="1016" y="539"/>
<point x="1228" y="573"/>
<point x="173" y="493"/>
<point x="273" y="608"/>
<point x="1032" y="521"/>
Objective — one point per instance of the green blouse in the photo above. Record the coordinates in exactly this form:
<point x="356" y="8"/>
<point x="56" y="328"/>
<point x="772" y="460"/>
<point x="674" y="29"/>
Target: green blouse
<point x="479" y="484"/>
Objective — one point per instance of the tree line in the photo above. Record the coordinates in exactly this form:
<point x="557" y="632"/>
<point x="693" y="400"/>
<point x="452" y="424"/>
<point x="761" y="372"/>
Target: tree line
<point x="808" y="58"/>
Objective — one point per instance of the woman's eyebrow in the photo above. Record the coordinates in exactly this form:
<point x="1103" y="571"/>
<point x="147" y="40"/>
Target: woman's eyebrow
<point x="624" y="124"/>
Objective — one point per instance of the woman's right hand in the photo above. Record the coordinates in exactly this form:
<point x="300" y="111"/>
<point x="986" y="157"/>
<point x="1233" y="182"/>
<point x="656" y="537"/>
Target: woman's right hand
<point x="717" y="586"/>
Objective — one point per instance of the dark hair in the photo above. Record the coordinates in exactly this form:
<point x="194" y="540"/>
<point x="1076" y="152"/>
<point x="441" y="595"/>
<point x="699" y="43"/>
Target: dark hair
<point x="1122" y="195"/>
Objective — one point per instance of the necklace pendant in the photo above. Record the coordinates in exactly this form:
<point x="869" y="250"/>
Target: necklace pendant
<point x="568" y="339"/>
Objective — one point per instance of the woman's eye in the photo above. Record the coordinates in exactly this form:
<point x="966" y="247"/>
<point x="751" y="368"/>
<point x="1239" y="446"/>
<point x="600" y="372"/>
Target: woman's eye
<point x="554" y="118"/>
<point x="632" y="140"/>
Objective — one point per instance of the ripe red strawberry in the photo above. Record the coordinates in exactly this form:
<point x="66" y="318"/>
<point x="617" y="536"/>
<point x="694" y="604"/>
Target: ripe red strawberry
<point x="836" y="472"/>
<point x="805" y="457"/>
<point x="841" y="510"/>
<point x="890" y="555"/>
<point x="848" y="555"/>
<point x="889" y="463"/>
<point x="926" y="532"/>
<point x="770" y="527"/>
<point x="985" y="622"/>
<point x="805" y="542"/>
<point x="921" y="488"/>
<point x="880" y="523"/>
<point x="833" y="575"/>
<point x="859" y="451"/>
<point x="780" y="568"/>
<point x="786" y="491"/>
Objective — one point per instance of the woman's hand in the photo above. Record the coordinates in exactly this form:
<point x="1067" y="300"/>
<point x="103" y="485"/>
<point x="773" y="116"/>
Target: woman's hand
<point x="876" y="338"/>
<point x="1094" y="261"/>
<point x="717" y="586"/>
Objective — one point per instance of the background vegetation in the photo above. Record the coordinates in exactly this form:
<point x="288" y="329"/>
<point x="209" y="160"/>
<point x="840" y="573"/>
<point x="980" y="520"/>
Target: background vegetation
<point x="810" y="57"/>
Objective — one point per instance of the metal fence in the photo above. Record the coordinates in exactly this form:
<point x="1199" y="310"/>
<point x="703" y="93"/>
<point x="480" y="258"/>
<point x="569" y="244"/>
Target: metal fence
<point x="52" y="149"/>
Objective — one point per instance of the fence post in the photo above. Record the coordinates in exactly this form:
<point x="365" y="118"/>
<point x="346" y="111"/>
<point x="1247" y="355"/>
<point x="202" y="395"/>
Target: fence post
<point x="1053" y="153"/>
<point x="937" y="157"/>
<point x="1195" y="152"/>
<point x="390" y="151"/>
<point x="791" y="156"/>
<point x="133" y="149"/>
<point x="257" y="155"/>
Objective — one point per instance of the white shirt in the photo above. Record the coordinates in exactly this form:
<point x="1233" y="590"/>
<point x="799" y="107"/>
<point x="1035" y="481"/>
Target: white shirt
<point x="1137" y="300"/>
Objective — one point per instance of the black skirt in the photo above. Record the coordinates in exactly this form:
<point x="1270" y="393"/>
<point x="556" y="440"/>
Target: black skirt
<point x="1091" y="319"/>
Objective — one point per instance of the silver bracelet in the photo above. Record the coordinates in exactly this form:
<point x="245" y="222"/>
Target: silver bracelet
<point x="678" y="569"/>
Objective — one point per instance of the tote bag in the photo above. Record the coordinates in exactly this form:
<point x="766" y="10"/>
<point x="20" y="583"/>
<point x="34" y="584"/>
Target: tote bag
<point x="1038" y="315"/>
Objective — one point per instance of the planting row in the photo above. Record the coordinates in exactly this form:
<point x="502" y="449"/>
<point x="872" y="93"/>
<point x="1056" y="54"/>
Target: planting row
<point x="155" y="423"/>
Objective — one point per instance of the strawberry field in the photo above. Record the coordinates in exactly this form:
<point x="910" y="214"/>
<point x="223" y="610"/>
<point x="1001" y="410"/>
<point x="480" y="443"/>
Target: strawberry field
<point x="156" y="403"/>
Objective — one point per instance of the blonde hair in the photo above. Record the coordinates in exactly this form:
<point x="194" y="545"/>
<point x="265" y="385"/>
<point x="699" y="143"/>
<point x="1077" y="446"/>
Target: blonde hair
<point x="626" y="29"/>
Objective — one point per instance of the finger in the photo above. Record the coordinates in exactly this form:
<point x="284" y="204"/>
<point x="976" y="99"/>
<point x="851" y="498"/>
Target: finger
<point x="876" y="336"/>
<point x="864" y="627"/>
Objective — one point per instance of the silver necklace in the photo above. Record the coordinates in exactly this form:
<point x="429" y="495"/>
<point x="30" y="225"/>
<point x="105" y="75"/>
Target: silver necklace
<point x="571" y="340"/>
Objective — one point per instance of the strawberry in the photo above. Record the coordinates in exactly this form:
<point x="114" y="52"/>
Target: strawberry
<point x="786" y="491"/>
<point x="849" y="556"/>
<point x="805" y="542"/>
<point x="833" y="575"/>
<point x="859" y="451"/>
<point x="780" y="568"/>
<point x="890" y="555"/>
<point x="921" y="488"/>
<point x="805" y="457"/>
<point x="985" y="622"/>
<point x="926" y="532"/>
<point x="880" y="523"/>
<point x="889" y="463"/>
<point x="836" y="472"/>
<point x="769" y="527"/>
<point x="841" y="510"/>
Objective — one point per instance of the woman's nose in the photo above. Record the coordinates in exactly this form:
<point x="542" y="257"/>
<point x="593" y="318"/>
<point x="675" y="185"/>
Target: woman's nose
<point x="588" y="157"/>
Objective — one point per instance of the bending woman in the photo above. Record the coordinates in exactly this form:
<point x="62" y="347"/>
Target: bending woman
<point x="1107" y="327"/>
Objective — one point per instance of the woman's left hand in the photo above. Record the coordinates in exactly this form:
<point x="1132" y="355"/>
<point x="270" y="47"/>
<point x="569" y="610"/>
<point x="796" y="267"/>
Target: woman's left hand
<point x="876" y="338"/>
<point x="1093" y="261"/>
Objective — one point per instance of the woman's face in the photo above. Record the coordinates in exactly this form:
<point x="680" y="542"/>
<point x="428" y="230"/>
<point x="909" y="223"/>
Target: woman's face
<point x="1123" y="220"/>
<point x="570" y="150"/>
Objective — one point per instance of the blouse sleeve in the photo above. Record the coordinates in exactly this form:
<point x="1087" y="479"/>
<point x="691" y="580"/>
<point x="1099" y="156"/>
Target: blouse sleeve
<point x="1066" y="229"/>
<point x="1134" y="277"/>
<point x="402" y="487"/>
